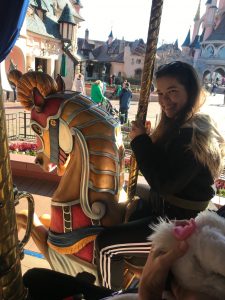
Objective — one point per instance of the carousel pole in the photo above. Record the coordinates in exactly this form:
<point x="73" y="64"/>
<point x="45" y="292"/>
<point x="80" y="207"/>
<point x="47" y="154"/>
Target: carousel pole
<point x="11" y="285"/>
<point x="153" y="32"/>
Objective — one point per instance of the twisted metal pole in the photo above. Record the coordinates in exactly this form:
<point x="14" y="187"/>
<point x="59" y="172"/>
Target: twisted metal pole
<point x="152" y="39"/>
<point x="11" y="285"/>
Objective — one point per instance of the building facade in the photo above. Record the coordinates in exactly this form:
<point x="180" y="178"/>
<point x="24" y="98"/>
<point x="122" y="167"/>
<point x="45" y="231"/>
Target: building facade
<point x="205" y="49"/>
<point x="102" y="59"/>
<point x="48" y="39"/>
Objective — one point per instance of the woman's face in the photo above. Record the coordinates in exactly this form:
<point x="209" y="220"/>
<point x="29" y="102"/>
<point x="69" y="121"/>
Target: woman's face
<point x="172" y="96"/>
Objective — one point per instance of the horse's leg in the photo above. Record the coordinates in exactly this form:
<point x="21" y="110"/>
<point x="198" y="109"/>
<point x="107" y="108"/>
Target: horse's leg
<point x="39" y="232"/>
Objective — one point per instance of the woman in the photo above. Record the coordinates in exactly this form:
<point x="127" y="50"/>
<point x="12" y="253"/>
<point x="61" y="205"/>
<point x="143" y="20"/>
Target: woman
<point x="179" y="161"/>
<point x="78" y="84"/>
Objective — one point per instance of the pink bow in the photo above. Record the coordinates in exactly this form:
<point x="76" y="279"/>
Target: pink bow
<point x="182" y="232"/>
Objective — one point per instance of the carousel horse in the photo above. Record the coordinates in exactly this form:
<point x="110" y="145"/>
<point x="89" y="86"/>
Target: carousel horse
<point x="84" y="143"/>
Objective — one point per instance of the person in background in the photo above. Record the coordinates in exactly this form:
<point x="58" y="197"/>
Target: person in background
<point x="78" y="84"/>
<point x="110" y="80"/>
<point x="125" y="97"/>
<point x="124" y="83"/>
<point x="180" y="161"/>
<point x="104" y="87"/>
<point x="223" y="81"/>
<point x="116" y="92"/>
<point x="97" y="92"/>
<point x="113" y="78"/>
<point x="214" y="87"/>
<point x="39" y="68"/>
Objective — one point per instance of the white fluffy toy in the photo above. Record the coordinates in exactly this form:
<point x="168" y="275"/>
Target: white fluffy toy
<point x="202" y="268"/>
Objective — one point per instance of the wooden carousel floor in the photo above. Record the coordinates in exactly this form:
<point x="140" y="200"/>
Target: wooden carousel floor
<point x="34" y="186"/>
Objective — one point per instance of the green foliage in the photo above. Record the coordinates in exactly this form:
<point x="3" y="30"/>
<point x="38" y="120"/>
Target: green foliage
<point x="221" y="192"/>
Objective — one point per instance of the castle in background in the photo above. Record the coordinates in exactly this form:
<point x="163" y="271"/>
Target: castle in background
<point x="102" y="59"/>
<point x="205" y="49"/>
<point x="49" y="38"/>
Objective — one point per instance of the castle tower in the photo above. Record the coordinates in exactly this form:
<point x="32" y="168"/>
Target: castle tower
<point x="197" y="22"/>
<point x="86" y="34"/>
<point x="110" y="38"/>
<point x="176" y="45"/>
<point x="122" y="45"/>
<point x="186" y="44"/>
<point x="209" y="19"/>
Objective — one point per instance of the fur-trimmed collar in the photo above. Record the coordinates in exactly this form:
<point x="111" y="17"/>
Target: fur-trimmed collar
<point x="207" y="143"/>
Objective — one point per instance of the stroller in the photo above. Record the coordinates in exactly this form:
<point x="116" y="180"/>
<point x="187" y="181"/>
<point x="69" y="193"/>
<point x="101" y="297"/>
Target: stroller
<point x="115" y="94"/>
<point x="107" y="106"/>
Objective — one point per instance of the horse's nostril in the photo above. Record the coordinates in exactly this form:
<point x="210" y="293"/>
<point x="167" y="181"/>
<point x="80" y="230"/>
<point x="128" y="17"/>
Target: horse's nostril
<point x="39" y="161"/>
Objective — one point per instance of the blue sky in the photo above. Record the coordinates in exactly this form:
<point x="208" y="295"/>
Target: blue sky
<point x="130" y="19"/>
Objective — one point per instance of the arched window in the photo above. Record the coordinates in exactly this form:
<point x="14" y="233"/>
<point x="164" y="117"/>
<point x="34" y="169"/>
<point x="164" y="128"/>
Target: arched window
<point x="221" y="53"/>
<point x="209" y="51"/>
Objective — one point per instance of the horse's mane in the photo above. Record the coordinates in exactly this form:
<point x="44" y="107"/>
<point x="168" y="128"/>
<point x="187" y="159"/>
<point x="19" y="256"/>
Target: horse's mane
<point x="98" y="132"/>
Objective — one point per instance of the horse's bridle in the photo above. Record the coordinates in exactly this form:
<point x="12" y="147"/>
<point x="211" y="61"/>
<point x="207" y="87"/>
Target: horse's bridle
<point x="54" y="140"/>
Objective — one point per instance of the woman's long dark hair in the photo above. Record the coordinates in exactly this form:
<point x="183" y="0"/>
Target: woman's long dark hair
<point x="186" y="75"/>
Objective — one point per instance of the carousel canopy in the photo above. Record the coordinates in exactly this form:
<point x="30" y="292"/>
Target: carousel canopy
<point x="12" y="15"/>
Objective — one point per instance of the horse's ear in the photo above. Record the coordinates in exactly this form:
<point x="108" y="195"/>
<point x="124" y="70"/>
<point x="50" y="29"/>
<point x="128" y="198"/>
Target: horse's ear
<point x="38" y="100"/>
<point x="61" y="84"/>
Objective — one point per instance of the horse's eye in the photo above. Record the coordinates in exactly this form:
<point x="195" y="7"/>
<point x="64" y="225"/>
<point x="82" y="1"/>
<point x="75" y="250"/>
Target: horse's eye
<point x="36" y="129"/>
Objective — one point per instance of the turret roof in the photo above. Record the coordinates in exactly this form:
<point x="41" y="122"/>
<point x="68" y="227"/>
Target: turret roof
<point x="48" y="26"/>
<point x="202" y="35"/>
<point x="196" y="43"/>
<point x="111" y="34"/>
<point x="66" y="15"/>
<point x="187" y="41"/>
<point x="176" y="45"/>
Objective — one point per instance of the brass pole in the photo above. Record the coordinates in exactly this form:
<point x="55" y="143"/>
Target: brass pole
<point x="152" y="40"/>
<point x="11" y="285"/>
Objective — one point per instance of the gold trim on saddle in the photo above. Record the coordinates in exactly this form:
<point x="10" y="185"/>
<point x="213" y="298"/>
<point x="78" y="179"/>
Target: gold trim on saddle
<point x="74" y="248"/>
